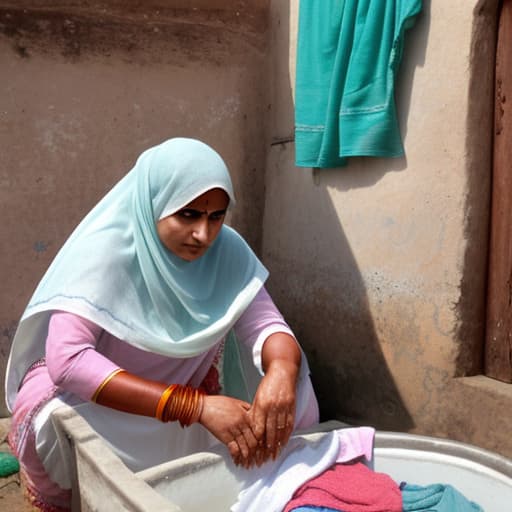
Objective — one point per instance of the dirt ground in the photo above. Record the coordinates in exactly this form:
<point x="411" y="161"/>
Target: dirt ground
<point x="11" y="493"/>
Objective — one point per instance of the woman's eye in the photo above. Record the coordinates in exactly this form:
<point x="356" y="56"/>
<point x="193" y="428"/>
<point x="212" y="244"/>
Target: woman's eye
<point x="188" y="213"/>
<point x="191" y="214"/>
<point x="216" y="216"/>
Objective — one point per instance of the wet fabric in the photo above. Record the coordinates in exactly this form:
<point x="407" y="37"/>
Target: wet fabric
<point x="436" y="498"/>
<point x="348" y="54"/>
<point x="114" y="271"/>
<point x="271" y="486"/>
<point x="351" y="488"/>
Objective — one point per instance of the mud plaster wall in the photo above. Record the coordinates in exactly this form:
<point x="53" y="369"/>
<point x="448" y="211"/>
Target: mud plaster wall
<point x="87" y="86"/>
<point x="380" y="266"/>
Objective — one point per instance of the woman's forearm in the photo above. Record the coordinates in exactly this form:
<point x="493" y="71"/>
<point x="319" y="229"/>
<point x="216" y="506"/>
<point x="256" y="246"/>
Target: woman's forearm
<point x="129" y="393"/>
<point x="281" y="349"/>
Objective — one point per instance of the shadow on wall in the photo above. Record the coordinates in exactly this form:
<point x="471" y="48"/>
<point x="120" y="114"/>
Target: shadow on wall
<point x="316" y="280"/>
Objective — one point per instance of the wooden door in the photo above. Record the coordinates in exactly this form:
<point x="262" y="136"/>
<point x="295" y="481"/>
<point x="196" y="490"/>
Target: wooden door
<point x="498" y="344"/>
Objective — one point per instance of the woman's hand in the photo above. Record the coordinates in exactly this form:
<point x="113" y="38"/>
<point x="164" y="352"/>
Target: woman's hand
<point x="254" y="433"/>
<point x="229" y="421"/>
<point x="273" y="409"/>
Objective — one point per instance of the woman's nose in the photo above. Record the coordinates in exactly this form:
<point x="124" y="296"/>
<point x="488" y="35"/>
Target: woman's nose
<point x="201" y="231"/>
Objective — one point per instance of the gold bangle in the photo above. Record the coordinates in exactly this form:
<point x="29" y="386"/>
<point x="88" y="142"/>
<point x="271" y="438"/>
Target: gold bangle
<point x="191" y="405"/>
<point x="164" y="397"/>
<point x="104" y="383"/>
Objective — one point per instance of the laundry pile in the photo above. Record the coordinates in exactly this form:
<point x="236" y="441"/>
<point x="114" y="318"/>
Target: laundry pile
<point x="334" y="473"/>
<point x="356" y="488"/>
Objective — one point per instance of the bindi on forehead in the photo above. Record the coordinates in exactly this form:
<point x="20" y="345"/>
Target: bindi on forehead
<point x="213" y="199"/>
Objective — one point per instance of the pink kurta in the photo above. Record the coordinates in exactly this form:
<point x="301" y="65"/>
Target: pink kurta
<point x="80" y="355"/>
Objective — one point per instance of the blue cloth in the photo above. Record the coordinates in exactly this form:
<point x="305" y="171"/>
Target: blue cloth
<point x="114" y="271"/>
<point x="348" y="53"/>
<point x="315" y="509"/>
<point x="435" y="498"/>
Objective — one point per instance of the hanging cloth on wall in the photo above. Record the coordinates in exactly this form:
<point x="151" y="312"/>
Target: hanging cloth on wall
<point x="348" y="53"/>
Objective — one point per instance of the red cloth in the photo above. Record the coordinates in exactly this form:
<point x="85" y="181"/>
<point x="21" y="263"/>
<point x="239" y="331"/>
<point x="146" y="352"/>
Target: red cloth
<point x="351" y="488"/>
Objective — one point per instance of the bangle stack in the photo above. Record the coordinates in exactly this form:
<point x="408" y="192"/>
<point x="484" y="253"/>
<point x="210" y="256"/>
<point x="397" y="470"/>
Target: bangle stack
<point x="180" y="403"/>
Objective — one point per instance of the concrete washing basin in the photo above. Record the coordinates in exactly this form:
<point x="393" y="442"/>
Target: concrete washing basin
<point x="205" y="481"/>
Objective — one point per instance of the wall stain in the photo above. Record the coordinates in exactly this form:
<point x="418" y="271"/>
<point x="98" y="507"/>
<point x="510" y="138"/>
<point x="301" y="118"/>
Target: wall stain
<point x="188" y="35"/>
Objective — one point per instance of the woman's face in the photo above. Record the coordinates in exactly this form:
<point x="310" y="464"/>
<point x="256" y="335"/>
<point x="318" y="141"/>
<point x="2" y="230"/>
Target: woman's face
<point x="191" y="230"/>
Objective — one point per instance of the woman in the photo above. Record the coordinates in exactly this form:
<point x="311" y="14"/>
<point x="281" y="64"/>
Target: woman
<point x="135" y="325"/>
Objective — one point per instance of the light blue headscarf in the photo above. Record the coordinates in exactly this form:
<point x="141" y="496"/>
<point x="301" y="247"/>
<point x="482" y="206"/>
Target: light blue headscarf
<point x="114" y="271"/>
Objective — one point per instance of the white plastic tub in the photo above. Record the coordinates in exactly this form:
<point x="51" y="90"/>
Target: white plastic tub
<point x="197" y="482"/>
<point x="207" y="481"/>
<point x="482" y="476"/>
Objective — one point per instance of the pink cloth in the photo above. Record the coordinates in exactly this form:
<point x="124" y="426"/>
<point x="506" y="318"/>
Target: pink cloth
<point x="355" y="443"/>
<point x="351" y="488"/>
